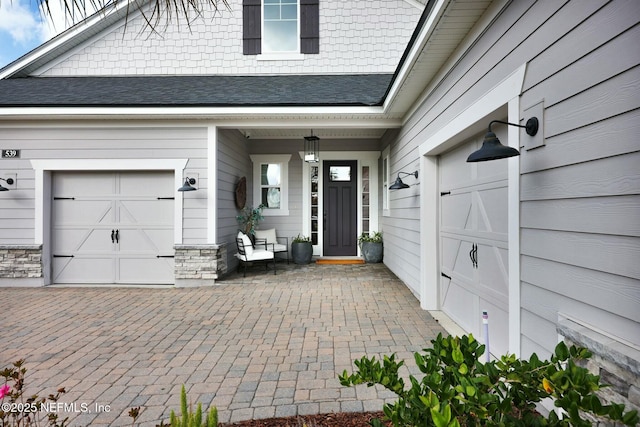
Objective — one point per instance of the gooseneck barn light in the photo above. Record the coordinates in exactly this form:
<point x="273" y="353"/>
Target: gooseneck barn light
<point x="188" y="185"/>
<point x="399" y="184"/>
<point x="9" y="181"/>
<point x="492" y="149"/>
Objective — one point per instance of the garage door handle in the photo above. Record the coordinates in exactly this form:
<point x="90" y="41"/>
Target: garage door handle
<point x="117" y="236"/>
<point x="473" y="254"/>
<point x="113" y="236"/>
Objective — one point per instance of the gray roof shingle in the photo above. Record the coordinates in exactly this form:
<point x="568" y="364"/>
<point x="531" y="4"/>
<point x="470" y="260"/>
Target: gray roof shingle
<point x="288" y="90"/>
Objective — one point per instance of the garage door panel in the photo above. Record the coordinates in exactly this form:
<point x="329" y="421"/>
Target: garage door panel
<point x="146" y="212"/>
<point x="148" y="240"/>
<point x="146" y="270"/>
<point x="83" y="212"/>
<point x="74" y="270"/>
<point x="454" y="169"/>
<point x="70" y="241"/>
<point x="69" y="184"/>
<point x="456" y="211"/>
<point x="494" y="272"/>
<point x="149" y="184"/>
<point x="455" y="256"/>
<point x="457" y="297"/>
<point x="492" y="210"/>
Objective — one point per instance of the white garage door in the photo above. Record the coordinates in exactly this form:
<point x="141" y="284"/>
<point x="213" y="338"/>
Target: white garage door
<point x="112" y="227"/>
<point x="473" y="243"/>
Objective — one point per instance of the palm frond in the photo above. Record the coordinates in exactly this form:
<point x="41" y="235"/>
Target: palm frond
<point x="154" y="12"/>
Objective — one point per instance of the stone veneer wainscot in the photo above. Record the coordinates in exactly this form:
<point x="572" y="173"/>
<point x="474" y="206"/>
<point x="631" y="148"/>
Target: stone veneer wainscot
<point x="22" y="262"/>
<point x="197" y="265"/>
<point x="617" y="364"/>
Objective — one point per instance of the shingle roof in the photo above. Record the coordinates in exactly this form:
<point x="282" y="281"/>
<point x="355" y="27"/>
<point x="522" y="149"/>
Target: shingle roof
<point x="289" y="90"/>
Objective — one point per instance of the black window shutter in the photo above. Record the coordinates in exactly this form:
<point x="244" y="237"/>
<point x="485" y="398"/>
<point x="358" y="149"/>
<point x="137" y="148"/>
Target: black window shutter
<point x="251" y="27"/>
<point x="309" y="26"/>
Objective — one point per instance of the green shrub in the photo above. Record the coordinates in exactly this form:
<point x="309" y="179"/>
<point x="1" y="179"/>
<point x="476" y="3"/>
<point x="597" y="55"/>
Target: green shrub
<point x="249" y="218"/>
<point x="301" y="239"/>
<point x="190" y="419"/>
<point x="375" y="237"/>
<point x="459" y="390"/>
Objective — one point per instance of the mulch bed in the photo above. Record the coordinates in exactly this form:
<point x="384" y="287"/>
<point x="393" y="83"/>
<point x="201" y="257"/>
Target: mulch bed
<point x="341" y="419"/>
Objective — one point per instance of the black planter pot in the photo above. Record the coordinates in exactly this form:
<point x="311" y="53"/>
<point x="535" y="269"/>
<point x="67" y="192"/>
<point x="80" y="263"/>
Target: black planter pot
<point x="371" y="252"/>
<point x="301" y="252"/>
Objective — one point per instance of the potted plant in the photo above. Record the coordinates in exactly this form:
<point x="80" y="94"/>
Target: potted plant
<point x="371" y="246"/>
<point x="301" y="249"/>
<point x="249" y="218"/>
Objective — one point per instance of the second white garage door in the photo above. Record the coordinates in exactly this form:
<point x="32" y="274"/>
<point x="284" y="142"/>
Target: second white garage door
<point x="474" y="242"/>
<point x="113" y="227"/>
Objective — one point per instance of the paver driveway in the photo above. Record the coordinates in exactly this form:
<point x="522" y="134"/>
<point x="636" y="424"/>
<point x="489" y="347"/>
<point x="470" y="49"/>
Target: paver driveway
<point x="255" y="347"/>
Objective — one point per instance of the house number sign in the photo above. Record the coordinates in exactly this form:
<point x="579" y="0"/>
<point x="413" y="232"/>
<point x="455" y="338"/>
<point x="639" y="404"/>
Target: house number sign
<point x="10" y="154"/>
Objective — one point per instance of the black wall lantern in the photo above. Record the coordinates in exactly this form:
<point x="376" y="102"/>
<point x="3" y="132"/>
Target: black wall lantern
<point x="399" y="184"/>
<point x="188" y="185"/>
<point x="9" y="181"/>
<point x="492" y="149"/>
<point x="311" y="149"/>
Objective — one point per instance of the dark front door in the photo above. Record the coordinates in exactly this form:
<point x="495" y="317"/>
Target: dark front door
<point x="340" y="207"/>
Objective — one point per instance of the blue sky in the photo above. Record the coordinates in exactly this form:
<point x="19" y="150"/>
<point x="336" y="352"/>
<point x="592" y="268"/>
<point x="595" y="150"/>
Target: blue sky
<point x="22" y="27"/>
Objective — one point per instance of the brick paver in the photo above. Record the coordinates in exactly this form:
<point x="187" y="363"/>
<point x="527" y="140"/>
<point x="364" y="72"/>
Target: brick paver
<point x="255" y="347"/>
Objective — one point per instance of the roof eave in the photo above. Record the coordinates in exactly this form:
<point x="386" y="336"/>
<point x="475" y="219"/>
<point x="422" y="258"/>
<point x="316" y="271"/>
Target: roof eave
<point x="412" y="77"/>
<point x="67" y="40"/>
<point x="346" y="114"/>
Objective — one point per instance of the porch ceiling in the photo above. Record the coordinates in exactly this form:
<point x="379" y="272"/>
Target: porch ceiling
<point x="322" y="133"/>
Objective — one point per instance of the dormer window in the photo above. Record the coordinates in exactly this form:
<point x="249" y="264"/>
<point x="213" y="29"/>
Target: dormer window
<point x="281" y="26"/>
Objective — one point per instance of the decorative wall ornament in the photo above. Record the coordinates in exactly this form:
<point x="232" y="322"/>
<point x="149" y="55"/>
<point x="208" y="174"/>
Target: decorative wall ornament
<point x="241" y="193"/>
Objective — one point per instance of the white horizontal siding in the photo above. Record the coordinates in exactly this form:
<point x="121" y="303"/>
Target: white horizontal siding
<point x="581" y="190"/>
<point x="17" y="210"/>
<point x="17" y="205"/>
<point x="233" y="163"/>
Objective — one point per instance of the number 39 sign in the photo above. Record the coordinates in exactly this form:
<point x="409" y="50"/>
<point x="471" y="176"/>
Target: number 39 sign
<point x="10" y="154"/>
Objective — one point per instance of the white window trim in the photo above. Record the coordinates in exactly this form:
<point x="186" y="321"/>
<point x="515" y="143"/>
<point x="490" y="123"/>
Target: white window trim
<point x="276" y="54"/>
<point x="283" y="160"/>
<point x="386" y="209"/>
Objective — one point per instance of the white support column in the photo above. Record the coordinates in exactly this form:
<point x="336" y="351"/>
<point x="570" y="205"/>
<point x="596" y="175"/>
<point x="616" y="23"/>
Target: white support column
<point x="212" y="187"/>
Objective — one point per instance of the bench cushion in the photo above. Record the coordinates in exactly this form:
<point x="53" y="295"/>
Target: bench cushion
<point x="246" y="242"/>
<point x="268" y="235"/>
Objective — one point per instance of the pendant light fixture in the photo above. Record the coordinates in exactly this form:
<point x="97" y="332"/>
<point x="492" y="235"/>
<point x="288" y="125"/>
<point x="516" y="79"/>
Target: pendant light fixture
<point x="311" y="149"/>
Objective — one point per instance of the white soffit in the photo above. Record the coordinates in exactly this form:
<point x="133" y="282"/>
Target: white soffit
<point x="446" y="27"/>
